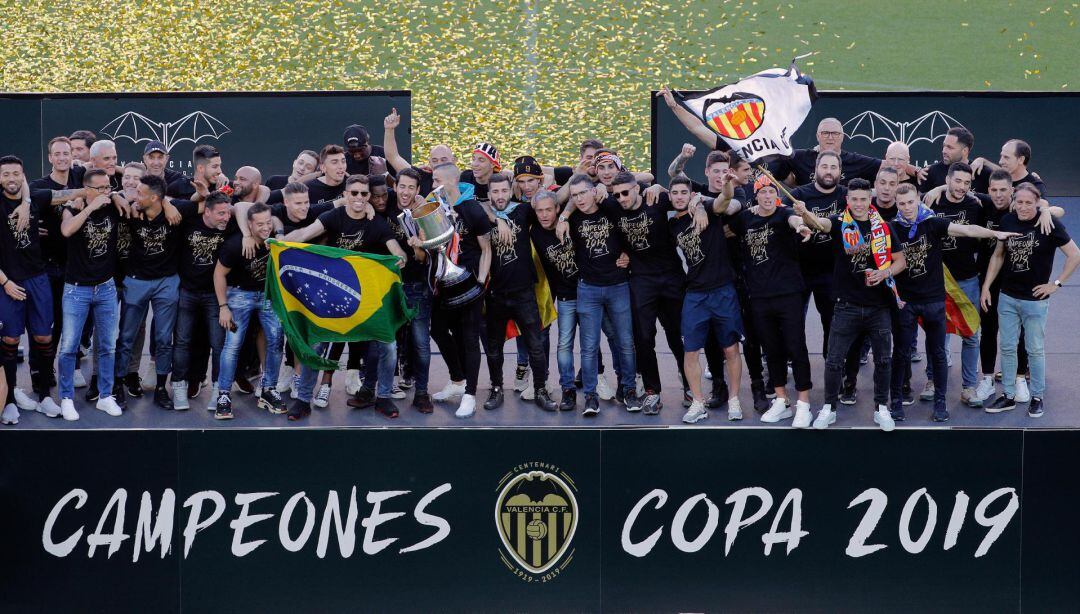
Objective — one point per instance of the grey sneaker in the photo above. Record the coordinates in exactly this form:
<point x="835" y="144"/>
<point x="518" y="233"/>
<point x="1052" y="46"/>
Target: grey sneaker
<point x="180" y="397"/>
<point x="652" y="404"/>
<point x="696" y="413"/>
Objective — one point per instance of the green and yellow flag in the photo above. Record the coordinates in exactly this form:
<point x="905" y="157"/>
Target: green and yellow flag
<point x="323" y="293"/>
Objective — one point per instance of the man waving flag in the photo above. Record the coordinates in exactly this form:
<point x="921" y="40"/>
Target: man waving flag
<point x="757" y="115"/>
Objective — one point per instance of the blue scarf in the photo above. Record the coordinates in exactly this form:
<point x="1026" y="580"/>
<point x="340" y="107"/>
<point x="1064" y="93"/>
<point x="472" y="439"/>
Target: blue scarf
<point x="924" y="213"/>
<point x="505" y="213"/>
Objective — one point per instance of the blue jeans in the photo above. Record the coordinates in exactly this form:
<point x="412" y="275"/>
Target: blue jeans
<point x="1013" y="314"/>
<point x="140" y="294"/>
<point x="593" y="304"/>
<point x="308" y="375"/>
<point x="242" y="304"/>
<point x="192" y="307"/>
<point x="78" y="303"/>
<point x="568" y="324"/>
<point x="418" y="297"/>
<point x="379" y="365"/>
<point x="969" y="350"/>
<point x="933" y="321"/>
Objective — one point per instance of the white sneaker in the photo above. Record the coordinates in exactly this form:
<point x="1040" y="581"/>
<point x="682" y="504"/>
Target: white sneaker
<point x="696" y="413"/>
<point x="884" y="419"/>
<point x="734" y="410"/>
<point x="10" y="414"/>
<point x="109" y="406"/>
<point x="397" y="393"/>
<point x="284" y="381"/>
<point x="211" y="405"/>
<point x="780" y="410"/>
<point x="603" y="390"/>
<point x="450" y="390"/>
<point x="1023" y="395"/>
<point x="639" y="385"/>
<point x="179" y="396"/>
<point x="523" y="383"/>
<point x="80" y="381"/>
<point x="48" y="407"/>
<point x="986" y="388"/>
<point x="352" y="381"/>
<point x="708" y="374"/>
<point x="529" y="394"/>
<point x="322" y="399"/>
<point x="67" y="410"/>
<point x="825" y="417"/>
<point x="803" y="415"/>
<point x="467" y="407"/>
<point x="23" y="401"/>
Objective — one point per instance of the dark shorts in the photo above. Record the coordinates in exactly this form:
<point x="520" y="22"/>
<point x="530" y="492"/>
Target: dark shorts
<point x="34" y="315"/>
<point x="715" y="311"/>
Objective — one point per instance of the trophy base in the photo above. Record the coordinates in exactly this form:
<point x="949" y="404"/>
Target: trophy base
<point x="460" y="292"/>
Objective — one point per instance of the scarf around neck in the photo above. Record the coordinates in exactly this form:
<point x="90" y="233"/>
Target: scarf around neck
<point x="880" y="243"/>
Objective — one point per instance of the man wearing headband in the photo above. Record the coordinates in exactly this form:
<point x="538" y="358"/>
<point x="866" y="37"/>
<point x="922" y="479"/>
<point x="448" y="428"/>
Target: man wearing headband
<point x="867" y="257"/>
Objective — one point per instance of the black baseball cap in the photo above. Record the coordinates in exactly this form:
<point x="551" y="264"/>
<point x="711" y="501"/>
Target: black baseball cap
<point x="527" y="165"/>
<point x="153" y="146"/>
<point x="356" y="136"/>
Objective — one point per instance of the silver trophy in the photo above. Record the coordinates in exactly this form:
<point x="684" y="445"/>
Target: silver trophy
<point x="455" y="285"/>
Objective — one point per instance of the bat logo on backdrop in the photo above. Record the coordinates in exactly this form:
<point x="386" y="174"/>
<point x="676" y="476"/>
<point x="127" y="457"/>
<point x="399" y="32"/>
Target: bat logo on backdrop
<point x="536" y="514"/>
<point x="190" y="128"/>
<point x="875" y="127"/>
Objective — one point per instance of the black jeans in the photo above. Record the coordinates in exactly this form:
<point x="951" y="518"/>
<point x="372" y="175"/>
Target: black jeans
<point x="519" y="306"/>
<point x="751" y="344"/>
<point x="820" y="285"/>
<point x="849" y="322"/>
<point x="988" y="347"/>
<point x="197" y="324"/>
<point x="457" y="333"/>
<point x="933" y="322"/>
<point x="781" y="325"/>
<point x="652" y="298"/>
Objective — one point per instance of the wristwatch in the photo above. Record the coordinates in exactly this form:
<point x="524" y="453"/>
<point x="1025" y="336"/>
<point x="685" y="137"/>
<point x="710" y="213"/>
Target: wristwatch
<point x="1057" y="282"/>
<point x="563" y="218"/>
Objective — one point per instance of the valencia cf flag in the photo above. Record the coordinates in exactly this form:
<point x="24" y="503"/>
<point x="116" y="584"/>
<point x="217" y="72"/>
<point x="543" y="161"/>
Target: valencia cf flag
<point x="757" y="115"/>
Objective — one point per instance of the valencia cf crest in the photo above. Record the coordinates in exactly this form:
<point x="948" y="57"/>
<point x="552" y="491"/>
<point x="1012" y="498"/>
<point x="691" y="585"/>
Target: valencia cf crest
<point x="737" y="118"/>
<point x="536" y="514"/>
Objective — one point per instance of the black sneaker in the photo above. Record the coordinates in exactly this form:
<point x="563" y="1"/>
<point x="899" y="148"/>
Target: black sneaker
<point x="495" y="398"/>
<point x="619" y="395"/>
<point x="92" y="390"/>
<point x="119" y="394"/>
<point x="544" y="401"/>
<point x="1035" y="408"/>
<point x="569" y="399"/>
<point x="906" y="397"/>
<point x="864" y="356"/>
<point x="422" y="402"/>
<point x="162" y="398"/>
<point x="687" y="398"/>
<point x="299" y="410"/>
<point x="897" y="412"/>
<point x="223" y="411"/>
<point x="848" y="395"/>
<point x="363" y="399"/>
<point x="133" y="384"/>
<point x="940" y="415"/>
<point x="270" y="400"/>
<point x="719" y="395"/>
<point x="386" y="407"/>
<point x="1000" y="404"/>
<point x="757" y="390"/>
<point x="194" y="388"/>
<point x="520" y="372"/>
<point x="577" y="380"/>
<point x="244" y="386"/>
<point x="631" y="400"/>
<point x="651" y="404"/>
<point x="592" y="405"/>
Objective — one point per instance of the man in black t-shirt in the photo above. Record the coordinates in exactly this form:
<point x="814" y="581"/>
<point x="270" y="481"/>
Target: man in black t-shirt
<point x="90" y="289"/>
<point x="1014" y="159"/>
<point x="156" y="160"/>
<point x="330" y="185"/>
<point x="512" y="294"/>
<point x="485" y="162"/>
<point x="956" y="147"/>
<point x="303" y="169"/>
<point x="363" y="158"/>
<point x="239" y="284"/>
<point x="603" y="290"/>
<point x="921" y="234"/>
<point x="152" y="279"/>
<point x="1025" y="263"/>
<point x="206" y="160"/>
<point x="296" y="210"/>
<point x="867" y="257"/>
<point x="202" y="238"/>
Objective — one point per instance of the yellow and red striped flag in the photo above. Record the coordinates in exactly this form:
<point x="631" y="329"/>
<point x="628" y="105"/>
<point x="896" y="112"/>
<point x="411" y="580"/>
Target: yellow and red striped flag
<point x="961" y="316"/>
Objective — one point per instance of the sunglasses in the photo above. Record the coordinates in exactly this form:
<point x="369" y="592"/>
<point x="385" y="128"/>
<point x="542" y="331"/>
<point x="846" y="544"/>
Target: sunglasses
<point x="359" y="193"/>
<point x="622" y="193"/>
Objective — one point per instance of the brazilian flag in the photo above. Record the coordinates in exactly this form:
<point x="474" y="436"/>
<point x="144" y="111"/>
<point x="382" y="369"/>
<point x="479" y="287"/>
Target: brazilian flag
<point x="323" y="293"/>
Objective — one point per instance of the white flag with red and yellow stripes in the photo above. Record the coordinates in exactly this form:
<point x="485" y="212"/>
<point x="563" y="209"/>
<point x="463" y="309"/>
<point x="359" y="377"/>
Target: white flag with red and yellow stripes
<point x="757" y="115"/>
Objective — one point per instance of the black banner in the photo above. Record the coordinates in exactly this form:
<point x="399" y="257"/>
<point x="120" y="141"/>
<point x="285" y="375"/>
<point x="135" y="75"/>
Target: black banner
<point x="873" y="119"/>
<point x="262" y="129"/>
<point x="538" y="520"/>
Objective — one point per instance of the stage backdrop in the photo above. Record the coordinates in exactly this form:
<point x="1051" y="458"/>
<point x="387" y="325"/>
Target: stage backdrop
<point x="262" y="129"/>
<point x="423" y="520"/>
<point x="1047" y="121"/>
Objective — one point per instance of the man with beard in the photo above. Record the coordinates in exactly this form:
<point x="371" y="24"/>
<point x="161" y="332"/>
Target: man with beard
<point x="353" y="227"/>
<point x="81" y="140"/>
<point x="239" y="283"/>
<point x="439" y="154"/>
<point x="457" y="330"/>
<point x="921" y="234"/>
<point x="363" y="158"/>
<point x="1015" y="159"/>
<point x="867" y="257"/>
<point x="202" y="238"/>
<point x="156" y="159"/>
<point x="1026" y="263"/>
<point x="711" y="306"/>
<point x="511" y="293"/>
<point x="330" y="185"/>
<point x="206" y="160"/>
<point x="768" y="236"/>
<point x="90" y="289"/>
<point x="247" y="186"/>
<point x="303" y="169"/>
<point x="957" y="146"/>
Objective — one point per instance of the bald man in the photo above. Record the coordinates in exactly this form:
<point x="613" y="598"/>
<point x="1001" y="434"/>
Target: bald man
<point x="898" y="156"/>
<point x="247" y="186"/>
<point x="440" y="154"/>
